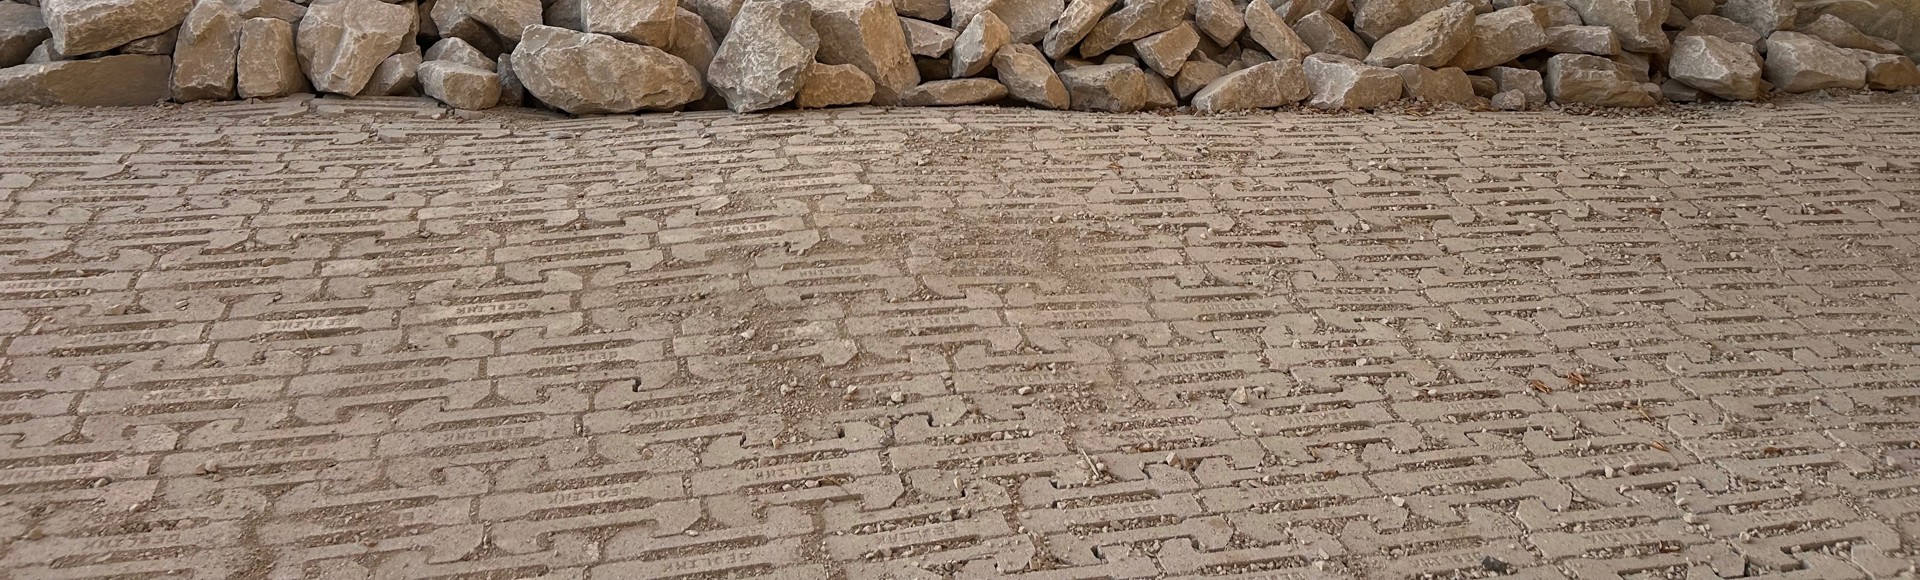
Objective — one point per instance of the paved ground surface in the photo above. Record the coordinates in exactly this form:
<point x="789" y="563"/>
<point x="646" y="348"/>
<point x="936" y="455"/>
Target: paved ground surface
<point x="366" y="339"/>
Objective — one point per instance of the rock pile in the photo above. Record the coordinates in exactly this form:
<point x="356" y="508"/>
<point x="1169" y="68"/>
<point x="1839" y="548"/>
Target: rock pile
<point x="622" y="56"/>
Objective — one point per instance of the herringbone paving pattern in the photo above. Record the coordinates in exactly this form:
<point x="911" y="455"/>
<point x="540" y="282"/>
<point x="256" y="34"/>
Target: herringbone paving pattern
<point x="370" y="339"/>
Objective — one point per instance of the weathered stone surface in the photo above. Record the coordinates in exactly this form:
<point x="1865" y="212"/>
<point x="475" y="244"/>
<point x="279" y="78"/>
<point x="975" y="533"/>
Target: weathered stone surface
<point x="975" y="47"/>
<point x="458" y="51"/>
<point x="1159" y="93"/>
<point x="692" y="42"/>
<point x="1888" y="72"/>
<point x="123" y="80"/>
<point x="1196" y="75"/>
<point x="719" y="14"/>
<point x="1594" y="40"/>
<point x="1271" y="33"/>
<point x="928" y="39"/>
<point x="953" y="93"/>
<point x="928" y="10"/>
<point x="1712" y="64"/>
<point x="1027" y="20"/>
<point x="583" y="73"/>
<point x="1798" y="63"/>
<point x="1293" y="10"/>
<point x="828" y="85"/>
<point x="493" y="26"/>
<point x="1339" y="82"/>
<point x="1374" y="19"/>
<point x="1839" y="33"/>
<point x="21" y="29"/>
<point x="513" y="93"/>
<point x="84" y="26"/>
<point x="276" y="9"/>
<point x="1691" y="9"/>
<point x="397" y="75"/>
<point x="1165" y="52"/>
<point x="760" y="62"/>
<point x="1592" y="80"/>
<point x="267" y="65"/>
<point x="1446" y="85"/>
<point x="1073" y="26"/>
<point x="460" y="86"/>
<point x="866" y="34"/>
<point x="648" y="22"/>
<point x="1111" y="88"/>
<point x="1763" y="16"/>
<point x="1221" y="20"/>
<point x="1711" y="25"/>
<point x="1132" y="22"/>
<point x="1510" y="101"/>
<point x="1263" y="86"/>
<point x="341" y="42"/>
<point x="1483" y="86"/>
<point x="1028" y="78"/>
<point x="158" y="44"/>
<point x="1501" y="36"/>
<point x="1635" y="22"/>
<point x="1559" y="13"/>
<point x="1430" y="41"/>
<point x="1325" y="34"/>
<point x="203" y="54"/>
<point x="1523" y="80"/>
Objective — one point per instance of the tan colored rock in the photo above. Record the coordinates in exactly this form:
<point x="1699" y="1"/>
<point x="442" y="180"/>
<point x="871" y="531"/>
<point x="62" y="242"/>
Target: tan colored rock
<point x="928" y="10"/>
<point x="1110" y="88"/>
<point x="83" y="26"/>
<point x="276" y="9"/>
<point x="1594" y="40"/>
<point x="1593" y="80"/>
<point x="1762" y="16"/>
<point x="1888" y="72"/>
<point x="1724" y="69"/>
<point x="1339" y="82"/>
<point x="1027" y="20"/>
<point x="829" y="85"/>
<point x="1430" y="41"/>
<point x="648" y="22"/>
<point x="1374" y="19"/>
<point x="1024" y="71"/>
<point x="1526" y="82"/>
<point x="1636" y="22"/>
<point x="1447" y="85"/>
<point x="341" y="42"/>
<point x="1271" y="33"/>
<point x="460" y="86"/>
<point x="954" y="93"/>
<point x="1728" y="30"/>
<point x="928" y="39"/>
<point x="975" y="47"/>
<point x="267" y="65"/>
<point x="1133" y="22"/>
<point x="1501" y="36"/>
<point x="111" y="81"/>
<point x="1559" y="13"/>
<point x="1196" y="75"/>
<point x="158" y="44"/>
<point x="1263" y="86"/>
<point x="1219" y="19"/>
<point x="493" y="26"/>
<point x="866" y="34"/>
<point x="397" y="75"/>
<point x="458" y="51"/>
<point x="760" y="62"/>
<point x="692" y="42"/>
<point x="1294" y="10"/>
<point x="1691" y="9"/>
<point x="1325" y="34"/>
<point x="1159" y="93"/>
<point x="1073" y="25"/>
<point x="1839" y="33"/>
<point x="1484" y="86"/>
<point x="586" y="74"/>
<point x="21" y="29"/>
<point x="1799" y="63"/>
<point x="1165" y="52"/>
<point x="204" y="52"/>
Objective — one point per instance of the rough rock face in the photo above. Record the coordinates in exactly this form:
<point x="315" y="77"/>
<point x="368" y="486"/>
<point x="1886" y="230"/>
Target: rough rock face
<point x="928" y="10"/>
<point x="1592" y="80"/>
<point x="1636" y="22"/>
<point x="1159" y="93"/>
<point x="585" y="73"/>
<point x="1594" y="40"/>
<point x="1027" y="76"/>
<point x="1799" y="63"/>
<point x="203" y="53"/>
<point x="1838" y="32"/>
<point x="1271" y="32"/>
<point x="1027" y="20"/>
<point x="396" y="76"/>
<point x="493" y="26"/>
<point x="829" y="85"/>
<point x="1073" y="25"/>
<point x="760" y="62"/>
<point x="1111" y="88"/>
<point x="1373" y="19"/>
<point x="648" y="22"/>
<point x="1889" y="72"/>
<point x="460" y="86"/>
<point x="512" y="92"/>
<point x="122" y="80"/>
<point x="1429" y="41"/>
<point x="954" y="93"/>
<point x="267" y="65"/>
<point x="1219" y="19"/>
<point x="1526" y="82"/>
<point x="718" y="14"/>
<point x="1325" y="34"/>
<point x="1501" y="36"/>
<point x="1339" y="82"/>
<point x="1167" y="51"/>
<point x="456" y="50"/>
<point x="84" y="26"/>
<point x="973" y="50"/>
<point x="1262" y="86"/>
<point x="21" y="29"/>
<point x="1710" y="25"/>
<point x="692" y="42"/>
<point x="865" y="34"/>
<point x="1132" y="22"/>
<point x="1196" y="75"/>
<point x="928" y="39"/>
<point x="277" y="9"/>
<point x="1714" y="65"/>
<point x="341" y="42"/>
<point x="1763" y="16"/>
<point x="1447" y="85"/>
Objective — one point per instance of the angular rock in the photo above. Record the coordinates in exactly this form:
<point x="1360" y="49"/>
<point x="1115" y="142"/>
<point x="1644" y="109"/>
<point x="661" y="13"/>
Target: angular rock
<point x="1710" y="25"/>
<point x="341" y="42"/>
<point x="1592" y="80"/>
<point x="1638" y="67"/>
<point x="648" y="22"/>
<point x="1027" y="20"/>
<point x="267" y="65"/>
<point x="719" y="14"/>
<point x="828" y="85"/>
<point x="1111" y="88"/>
<point x="1374" y="19"/>
<point x="928" y="10"/>
<point x="1024" y="71"/>
<point x="158" y="44"/>
<point x="1219" y="19"/>
<point x="1763" y="16"/>
<point x="1691" y="9"/>
<point x="396" y="76"/>
<point x="203" y="53"/>
<point x="460" y="86"/>
<point x="954" y="93"/>
<point x="1447" y="85"/>
<point x="1594" y="40"/>
<point x="692" y="42"/>
<point x="865" y="34"/>
<point x="975" y="47"/>
<point x="493" y="26"/>
<point x="1294" y="10"/>
<point x="1831" y="29"/>
<point x="1678" y="92"/>
<point x="111" y="81"/>
<point x="928" y="39"/>
<point x="1159" y="93"/>
<point x="1167" y="51"/>
<point x="276" y="9"/>
<point x="760" y="62"/>
<point x="1271" y="32"/>
<point x="1636" y="22"/>
<point x="1501" y="36"/>
<point x="1559" y="13"/>
<point x="1196" y="75"/>
<point x="1888" y="72"/>
<point x="512" y="92"/>
<point x="1721" y="68"/>
<point x="1483" y="86"/>
<point x="1263" y="86"/>
<point x="584" y="74"/>
<point x="1073" y="26"/>
<point x="458" y="51"/>
<point x="1134" y="21"/>
<point x="1339" y="82"/>
<point x="84" y="26"/>
<point x="1799" y="63"/>
<point x="1325" y="34"/>
<point x="1430" y="41"/>
<point x="21" y="29"/>
<point x="1523" y="80"/>
<point x="1510" y="101"/>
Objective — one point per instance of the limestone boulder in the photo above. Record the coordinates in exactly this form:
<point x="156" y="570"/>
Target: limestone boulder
<point x="1711" y="25"/>
<point x="1594" y="40"/>
<point x="397" y="75"/>
<point x="760" y="63"/>
<point x="1159" y="93"/>
<point x="1559" y="13"/>
<point x="1374" y="19"/>
<point x="276" y="9"/>
<point x="1762" y="16"/>
<point x="493" y="26"/>
<point x="1024" y="71"/>
<point x="458" y="51"/>
<point x="1636" y="22"/>
<point x="954" y="93"/>
<point x="1109" y="88"/>
<point x="267" y="65"/>
<point x="928" y="39"/>
<point x="865" y="34"/>
<point x="1325" y="34"/>
<point x="1447" y="85"/>
<point x="831" y="85"/>
<point x="1724" y="69"/>
<point x="1027" y="20"/>
<point x="1799" y="63"/>
<point x="158" y="44"/>
<point x="1165" y="52"/>
<point x="1263" y="86"/>
<point x="460" y="86"/>
<point x="1339" y="82"/>
<point x="85" y="26"/>
<point x="584" y="73"/>
<point x="648" y="22"/>
<point x="1501" y="36"/>
<point x="928" y="10"/>
<point x="692" y="42"/>
<point x="1888" y="72"/>
<point x="1592" y="80"/>
<point x="1510" y="101"/>
<point x="1196" y="75"/>
<point x="1272" y="34"/>
<point x="973" y="50"/>
<point x="718" y="14"/>
<point x="121" y="80"/>
<point x="204" y="53"/>
<point x="1135" y="20"/>
<point x="513" y="93"/>
<point x="341" y="42"/>
<point x="21" y="29"/>
<point x="1073" y="26"/>
<point x="1430" y="41"/>
<point x="1839" y="33"/>
<point x="1220" y="20"/>
<point x="1525" y="81"/>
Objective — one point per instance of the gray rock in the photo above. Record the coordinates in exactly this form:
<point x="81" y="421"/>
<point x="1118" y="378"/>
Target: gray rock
<point x="954" y="93"/>
<point x="1134" y="21"/>
<point x="719" y="14"/>
<point x="928" y="10"/>
<point x="1073" y="25"/>
<point x="927" y="39"/>
<point x="1636" y="22"/>
<point x="1888" y="72"/>
<point x="396" y="76"/>
<point x="83" y="26"/>
<point x="267" y="65"/>
<point x="1430" y="41"/>
<point x="1447" y="85"/>
<point x="1027" y="20"/>
<point x="1374" y="19"/>
<point x="1523" y="80"/>
<point x="1593" y="80"/>
<point x="1028" y="78"/>
<point x="1559" y="13"/>
<point x="1270" y="32"/>
<point x="493" y="26"/>
<point x="584" y="73"/>
<point x="1799" y="63"/>
<point x="1219" y="19"/>
<point x="1763" y="16"/>
<point x="276" y="9"/>
<point x="760" y="62"/>
<point x="1501" y="36"/>
<point x="341" y="42"/>
<point x="1691" y="9"/>
<point x="1165" y="52"/>
<point x="865" y="34"/>
<point x="460" y="86"/>
<point x="1710" y="25"/>
<point x="648" y="22"/>
<point x="513" y="93"/>
<point x="975" y="47"/>
<point x="1196" y="75"/>
<point x="693" y="43"/>
<point x="204" y="52"/>
<point x="21" y="29"/>
<point x="1839" y="33"/>
<point x="1111" y="88"/>
<point x="1484" y="86"/>
<point x="1263" y="86"/>
<point x="1724" y="69"/>
<point x="1325" y="34"/>
<point x="1510" y="101"/>
<point x="458" y="51"/>
<point x="1637" y="66"/>
<point x="1594" y="40"/>
<point x="829" y="85"/>
<point x="1339" y="82"/>
<point x="122" y="80"/>
<point x="158" y="44"/>
<point x="1678" y="92"/>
